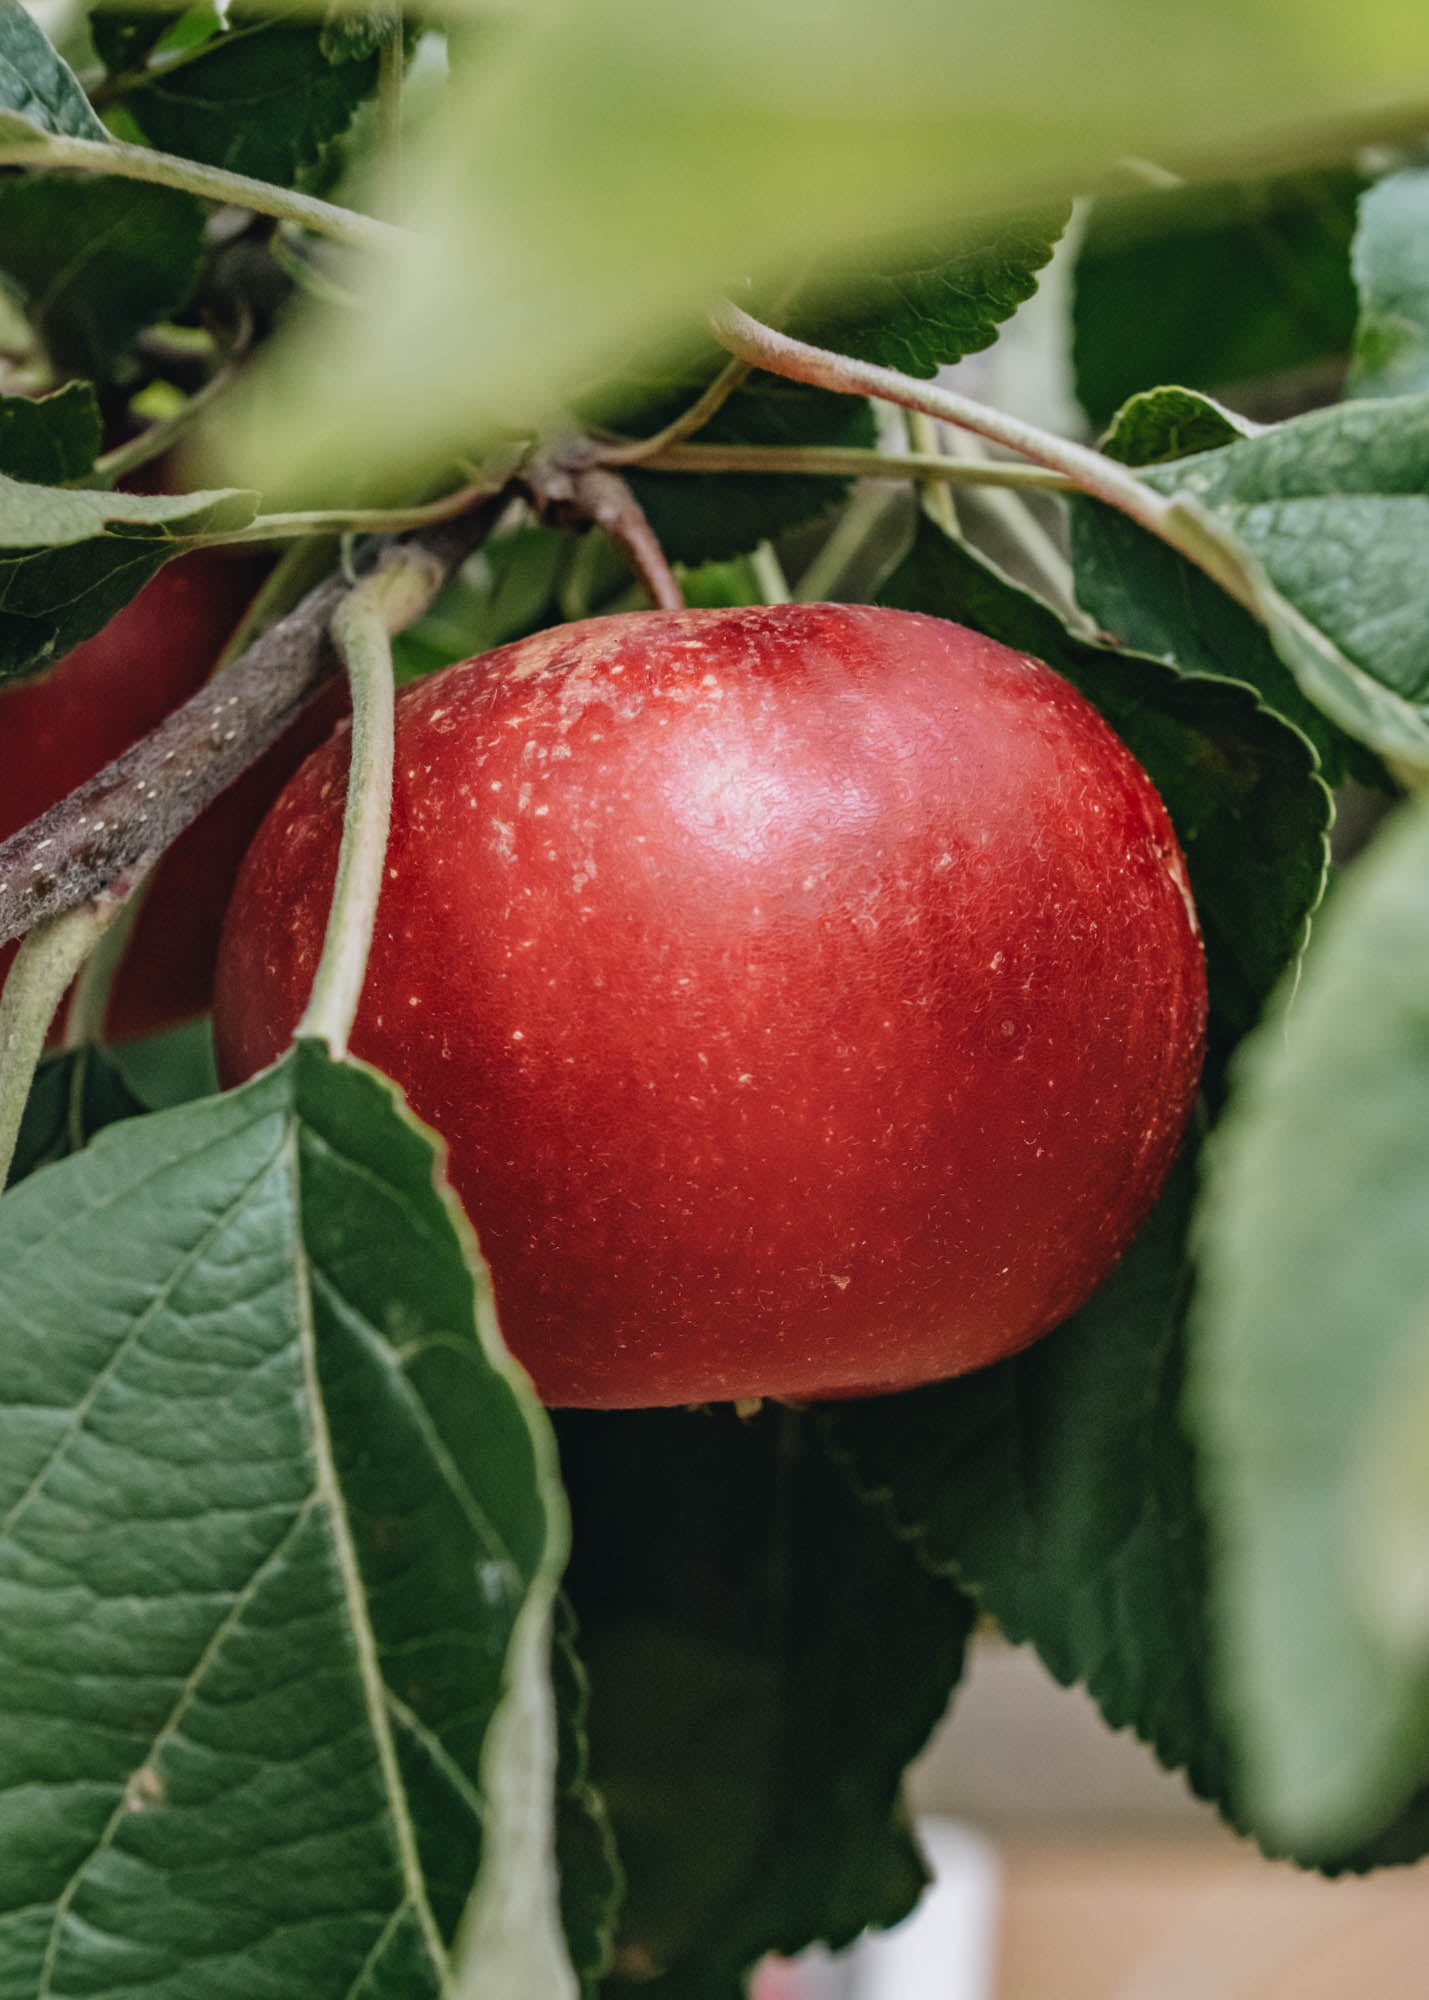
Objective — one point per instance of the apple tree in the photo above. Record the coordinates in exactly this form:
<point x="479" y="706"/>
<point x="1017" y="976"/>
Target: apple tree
<point x="338" y="346"/>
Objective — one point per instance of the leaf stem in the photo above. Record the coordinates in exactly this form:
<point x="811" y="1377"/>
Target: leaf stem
<point x="1185" y="526"/>
<point x="635" y="451"/>
<point x="352" y="521"/>
<point x="924" y="437"/>
<point x="141" y="163"/>
<point x="153" y="441"/>
<point x="94" y="984"/>
<point x="44" y="967"/>
<point x="768" y="574"/>
<point x="853" y="462"/>
<point x="397" y="592"/>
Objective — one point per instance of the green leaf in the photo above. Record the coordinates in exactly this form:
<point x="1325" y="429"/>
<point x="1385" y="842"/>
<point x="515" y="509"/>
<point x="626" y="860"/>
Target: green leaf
<point x="922" y="314"/>
<point x="1217" y="287"/>
<point x="1058" y="1487"/>
<point x="264" y="99"/>
<point x="765" y="1659"/>
<point x="601" y="166"/>
<point x="1391" y="265"/>
<point x="1241" y="786"/>
<point x="1328" y="518"/>
<point x="73" y="1096"/>
<point x="1311" y="1341"/>
<point x="95" y="261"/>
<point x="592" y="1883"/>
<point x="70" y="557"/>
<point x="52" y="438"/>
<point x="704" y="518"/>
<point x="280" y="1538"/>
<point x="1163" y="424"/>
<point x="36" y="85"/>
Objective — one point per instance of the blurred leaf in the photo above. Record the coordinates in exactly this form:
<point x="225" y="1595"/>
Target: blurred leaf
<point x="1241" y="786"/>
<point x="1391" y="262"/>
<point x="70" y="557"/>
<point x="1216" y="287"/>
<point x="35" y="84"/>
<point x="73" y="1096"/>
<point x="765" y="1660"/>
<point x="264" y="98"/>
<point x="95" y="261"/>
<point x="1058" y="1488"/>
<point x="747" y="140"/>
<point x="707" y="517"/>
<point x="921" y="315"/>
<point x="1312" y="1320"/>
<point x="50" y="438"/>
<point x="279" y="1549"/>
<point x="1163" y="424"/>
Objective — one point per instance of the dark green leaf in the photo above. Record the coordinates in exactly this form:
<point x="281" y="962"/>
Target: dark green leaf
<point x="707" y="517"/>
<point x="1058" y="1488"/>
<point x="50" y="438"/>
<point x="70" y="557"/>
<point x="1216" y="287"/>
<point x="73" y="1096"/>
<point x="1391" y="264"/>
<point x="96" y="261"/>
<point x="765" y="1660"/>
<point x="920" y="315"/>
<point x="172" y="1067"/>
<point x="36" y="84"/>
<point x="280" y="1541"/>
<point x="262" y="99"/>
<point x="1161" y="424"/>
<point x="1312" y="1347"/>
<point x="1241" y="787"/>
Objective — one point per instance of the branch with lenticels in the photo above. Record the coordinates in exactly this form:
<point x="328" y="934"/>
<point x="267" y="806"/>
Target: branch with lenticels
<point x="105" y="834"/>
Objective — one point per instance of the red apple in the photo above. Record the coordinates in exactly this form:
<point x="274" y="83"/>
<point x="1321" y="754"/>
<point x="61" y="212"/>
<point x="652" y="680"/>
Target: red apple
<point x="62" y="727"/>
<point x="810" y="997"/>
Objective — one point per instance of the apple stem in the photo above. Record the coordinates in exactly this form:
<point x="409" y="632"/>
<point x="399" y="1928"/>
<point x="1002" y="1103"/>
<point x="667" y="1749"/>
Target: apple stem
<point x="396" y="593"/>
<point x="1186" y="527"/>
<point x="44" y="967"/>
<point x="141" y="163"/>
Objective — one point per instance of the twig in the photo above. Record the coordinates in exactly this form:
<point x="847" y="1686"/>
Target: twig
<point x="124" y="819"/>
<point x="140" y="163"/>
<point x="566" y="493"/>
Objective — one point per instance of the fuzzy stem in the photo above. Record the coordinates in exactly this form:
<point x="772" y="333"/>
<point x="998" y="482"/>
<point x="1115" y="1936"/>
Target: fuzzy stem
<point x="362" y="627"/>
<point x="1182" y="526"/>
<point x="94" y="984"/>
<point x="40" y="977"/>
<point x="140" y="163"/>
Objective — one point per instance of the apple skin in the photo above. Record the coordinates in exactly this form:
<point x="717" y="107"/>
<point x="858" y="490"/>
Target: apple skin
<point x="810" y="996"/>
<point x="62" y="727"/>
